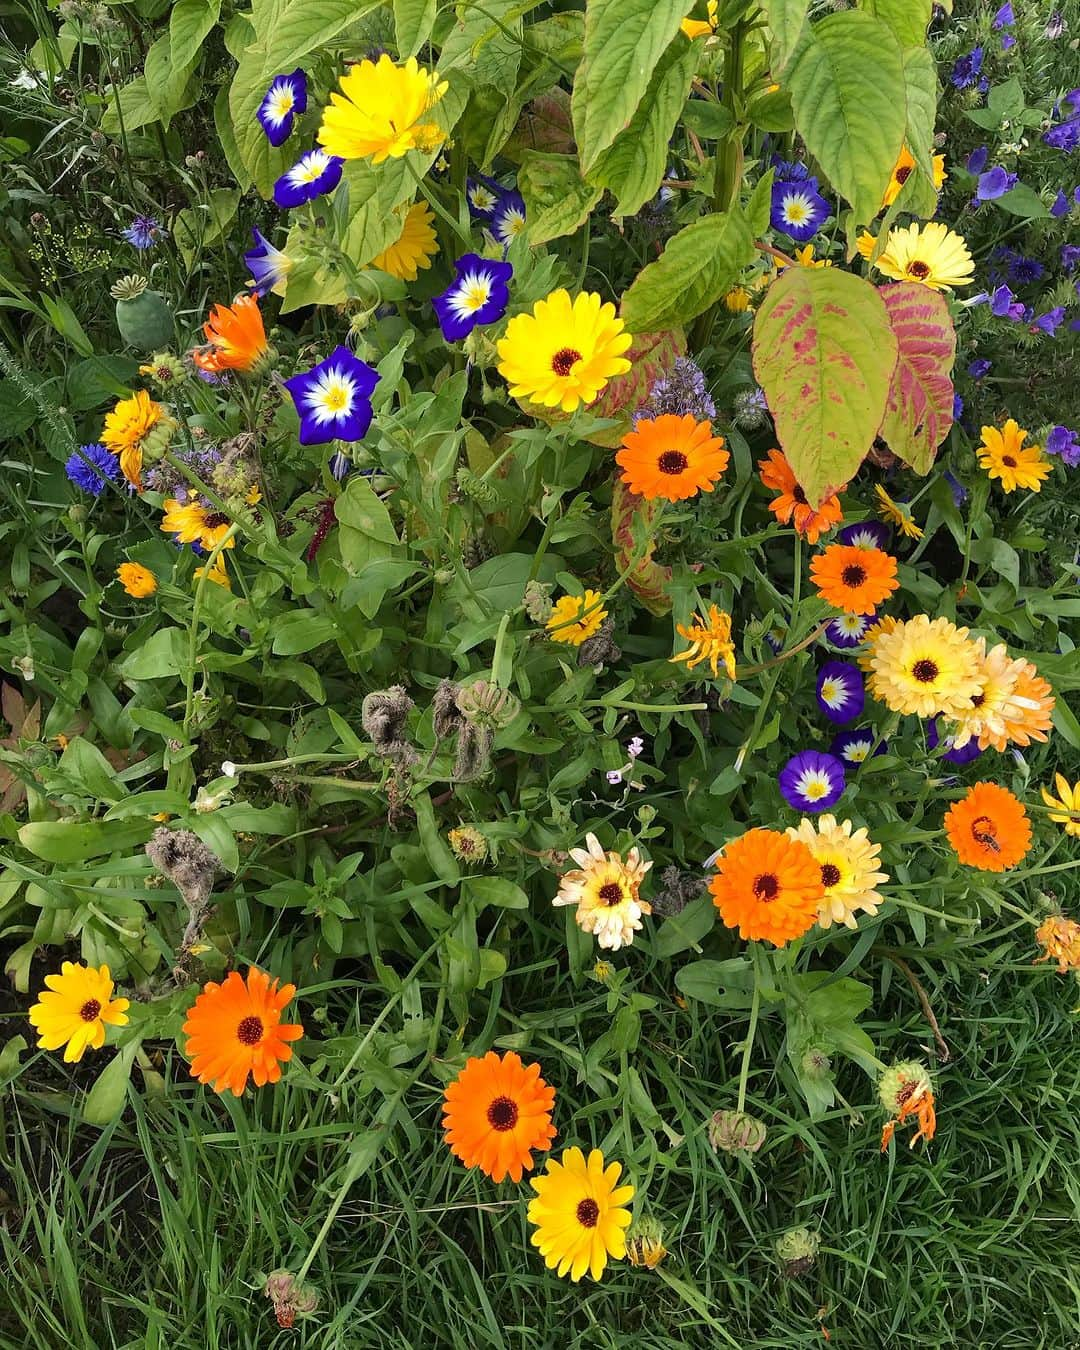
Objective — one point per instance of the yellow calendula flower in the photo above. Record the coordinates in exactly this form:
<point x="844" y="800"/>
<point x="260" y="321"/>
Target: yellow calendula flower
<point x="606" y="891"/>
<point x="564" y="352"/>
<point x="866" y="243"/>
<point x="902" y="171"/>
<point x="897" y="515"/>
<point x="805" y="258"/>
<point x="75" y="1009"/>
<point x="1060" y="940"/>
<point x="695" y="28"/>
<point x="414" y="247"/>
<point x="127" y="427"/>
<point x="1006" y="458"/>
<point x="930" y="254"/>
<point x="575" y="618"/>
<point x="738" y="300"/>
<point x="218" y="574"/>
<point x="579" y="1215"/>
<point x="193" y="523"/>
<point x="382" y="111"/>
<point x="710" y="640"/>
<point x="137" y="580"/>
<point x="924" y="666"/>
<point x="848" y="860"/>
<point x="1067" y="801"/>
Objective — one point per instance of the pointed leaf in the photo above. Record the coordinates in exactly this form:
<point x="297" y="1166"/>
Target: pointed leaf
<point x="189" y="23"/>
<point x="787" y="19"/>
<point x="920" y="407"/>
<point x="824" y="353"/>
<point x="909" y="19"/>
<point x="557" y="198"/>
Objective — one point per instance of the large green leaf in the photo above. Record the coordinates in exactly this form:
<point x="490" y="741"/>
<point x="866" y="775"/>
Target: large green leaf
<point x="919" y="412"/>
<point x="167" y="80"/>
<point x="633" y="165"/>
<point x="850" y="101"/>
<point x="557" y="199"/>
<point x="485" y="43"/>
<point x="920" y="80"/>
<point x="787" y="19"/>
<point x="824" y="353"/>
<point x="698" y="265"/>
<point x="189" y="23"/>
<point x="413" y="20"/>
<point x="367" y="223"/>
<point x="198" y="226"/>
<point x="909" y="19"/>
<point x="73" y="841"/>
<point x="301" y="26"/>
<point x="624" y="39"/>
<point x="130" y="108"/>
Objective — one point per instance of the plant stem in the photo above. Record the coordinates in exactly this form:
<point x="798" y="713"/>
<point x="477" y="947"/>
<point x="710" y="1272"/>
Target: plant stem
<point x="748" y="1045"/>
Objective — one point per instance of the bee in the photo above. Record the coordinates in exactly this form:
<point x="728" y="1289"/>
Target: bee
<point x="985" y="837"/>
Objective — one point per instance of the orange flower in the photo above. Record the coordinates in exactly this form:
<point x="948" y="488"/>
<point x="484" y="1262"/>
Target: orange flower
<point x="792" y="505"/>
<point x="905" y="1091"/>
<point x="497" y="1111"/>
<point x="1060" y="940"/>
<point x="855" y="580"/>
<point x="671" y="457"/>
<point x="988" y="828"/>
<point x="236" y="336"/>
<point x="235" y="1029"/>
<point x="1027" y="713"/>
<point x="767" y="886"/>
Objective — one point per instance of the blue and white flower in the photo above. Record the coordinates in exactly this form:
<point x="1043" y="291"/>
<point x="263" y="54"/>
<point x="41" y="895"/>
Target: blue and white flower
<point x="333" y="399"/>
<point x="268" y="265"/>
<point x="865" y="534"/>
<point x="478" y="296"/>
<point x="483" y="195"/>
<point x="840" y="691"/>
<point x="798" y="209"/>
<point x="286" y="97"/>
<point x="848" y="630"/>
<point x="812" y="781"/>
<point x="856" y="747"/>
<point x="313" y="174"/>
<point x="508" y="219"/>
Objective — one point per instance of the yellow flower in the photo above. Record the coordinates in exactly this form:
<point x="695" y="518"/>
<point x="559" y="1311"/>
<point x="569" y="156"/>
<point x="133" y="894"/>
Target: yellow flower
<point x="126" y="427"/>
<point x="997" y="676"/>
<point x="924" y="666"/>
<point x="76" y="1009"/>
<point x="379" y="113"/>
<point x="578" y="1214"/>
<point x="930" y="254"/>
<point x="695" y="28"/>
<point x="414" y="247"/>
<point x="710" y="640"/>
<point x="805" y="258"/>
<point x="193" y="523"/>
<point x="902" y="172"/>
<point x="575" y="618"/>
<point x="136" y="579"/>
<point x="606" y="892"/>
<point x="738" y="300"/>
<point x="1004" y="456"/>
<point x="848" y="862"/>
<point x="217" y="574"/>
<point x="565" y="351"/>
<point x="1067" y="800"/>
<point x="896" y="515"/>
<point x="866" y="243"/>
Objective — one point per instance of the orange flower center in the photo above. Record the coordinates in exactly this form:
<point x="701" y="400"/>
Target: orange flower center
<point x="853" y="575"/>
<point x="1008" y="459"/>
<point x="904" y="1094"/>
<point x="766" y="886"/>
<point x="830" y="874"/>
<point x="89" y="1010"/>
<point x="672" y="461"/>
<point x="918" y="269"/>
<point x="610" y="893"/>
<point x="588" y="1211"/>
<point x="562" y="361"/>
<point x="502" y="1114"/>
<point x="250" y="1031"/>
<point x="925" y="671"/>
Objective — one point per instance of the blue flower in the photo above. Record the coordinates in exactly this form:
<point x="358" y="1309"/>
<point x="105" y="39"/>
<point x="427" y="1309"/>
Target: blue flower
<point x="286" y="97"/>
<point x="979" y="368"/>
<point x="483" y="195"/>
<point x="866" y="534"/>
<point x="313" y="174"/>
<point x="1061" y="441"/>
<point x="958" y="490"/>
<point x="478" y="296"/>
<point x="268" y="265"/>
<point x="508" y="218"/>
<point x="1007" y="41"/>
<point x="967" y="68"/>
<point x="95" y="476"/>
<point x="963" y="756"/>
<point x="798" y="209"/>
<point x="840" y="692"/>
<point x="854" y="747"/>
<point x="976" y="161"/>
<point x="1005" y="17"/>
<point x="812" y="781"/>
<point x="333" y="399"/>
<point x="1050" y="322"/>
<point x="340" y="464"/>
<point x="144" y="232"/>
<point x="957" y="412"/>
<point x="789" y="170"/>
<point x="1065" y="136"/>
<point x="1070" y="257"/>
<point x="994" y="183"/>
<point x="848" y="630"/>
<point x="1061" y="205"/>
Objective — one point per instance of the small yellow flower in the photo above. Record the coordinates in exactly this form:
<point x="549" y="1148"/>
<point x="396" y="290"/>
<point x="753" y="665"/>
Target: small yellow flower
<point x="578" y="1214"/>
<point x="866" y="243"/>
<point x="576" y="617"/>
<point x="902" y="171"/>
<point x="75" y="1010"/>
<point x="414" y="247"/>
<point x="218" y="574"/>
<point x="137" y="580"/>
<point x="193" y="523"/>
<point x="805" y="258"/>
<point x="897" y="515"/>
<point x="1005" y="457"/>
<point x="381" y="111"/>
<point x="710" y="640"/>
<point x="738" y="300"/>
<point x="1067" y="800"/>
<point x="695" y="28"/>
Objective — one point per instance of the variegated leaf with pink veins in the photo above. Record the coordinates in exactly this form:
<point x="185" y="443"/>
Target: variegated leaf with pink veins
<point x="919" y="411"/>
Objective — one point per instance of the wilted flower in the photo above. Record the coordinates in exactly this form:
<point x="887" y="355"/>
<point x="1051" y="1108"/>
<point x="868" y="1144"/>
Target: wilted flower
<point x="468" y="844"/>
<point x="797" y="1250"/>
<point x="904" y="1090"/>
<point x="1060" y="940"/>
<point x="291" y="1298"/>
<point x="645" y="1244"/>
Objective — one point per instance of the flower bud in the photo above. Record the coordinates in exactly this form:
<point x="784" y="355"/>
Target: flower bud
<point x="797" y="1250"/>
<point x="645" y="1244"/>
<point x="736" y="1132"/>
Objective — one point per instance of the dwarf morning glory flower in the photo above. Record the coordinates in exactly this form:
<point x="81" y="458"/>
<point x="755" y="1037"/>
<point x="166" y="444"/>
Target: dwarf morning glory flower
<point x="958" y="490"/>
<point x="144" y="232"/>
<point x="1004" y="17"/>
<point x="268" y="265"/>
<point x="313" y="174"/>
<point x="1050" y="322"/>
<point x="1061" y="205"/>
<point x="286" y="97"/>
<point x="848" y="630"/>
<point x="1065" y="136"/>
<point x="333" y="399"/>
<point x="976" y="161"/>
<point x="979" y="368"/>
<point x="798" y="209"/>
<point x="478" y="296"/>
<point x="483" y="195"/>
<point x="866" y="534"/>
<point x="854" y="747"/>
<point x="965" y="755"/>
<point x="967" y="68"/>
<point x="840" y="692"/>
<point x="789" y="170"/>
<point x="1061" y="441"/>
<point x="614" y="776"/>
<point x="994" y="183"/>
<point x="340" y="464"/>
<point x="812" y="781"/>
<point x="508" y="218"/>
<point x="103" y="469"/>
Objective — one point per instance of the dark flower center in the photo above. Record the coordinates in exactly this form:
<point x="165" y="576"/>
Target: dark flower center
<point x="766" y="886"/>
<point x="250" y="1031"/>
<point x="89" y="1010"/>
<point x="611" y="893"/>
<point x="853" y="576"/>
<point x="905" y="1092"/>
<point x="799" y="495"/>
<point x="588" y="1211"/>
<point x="502" y="1114"/>
<point x="918" y="269"/>
<point x="672" y="461"/>
<point x="1008" y="459"/>
<point x="830" y="874"/>
<point x="902" y="174"/>
<point x="563" y="360"/>
<point x="925" y="671"/>
<point x="214" y="519"/>
<point x="977" y="700"/>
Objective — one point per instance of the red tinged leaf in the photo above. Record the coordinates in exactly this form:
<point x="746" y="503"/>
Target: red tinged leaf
<point x="919" y="411"/>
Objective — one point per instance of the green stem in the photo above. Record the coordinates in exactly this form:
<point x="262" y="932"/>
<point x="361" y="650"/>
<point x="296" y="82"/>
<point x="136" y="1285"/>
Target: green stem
<point x="193" y="636"/>
<point x="748" y="1046"/>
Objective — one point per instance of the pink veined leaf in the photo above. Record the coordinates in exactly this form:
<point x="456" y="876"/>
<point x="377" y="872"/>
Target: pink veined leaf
<point x="919" y="411"/>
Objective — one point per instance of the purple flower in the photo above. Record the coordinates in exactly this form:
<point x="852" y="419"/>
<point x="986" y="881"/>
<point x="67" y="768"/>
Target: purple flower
<point x="848" y="630"/>
<point x="1050" y="322"/>
<point x="1004" y="18"/>
<point x="313" y="174"/>
<point x="1001" y="302"/>
<point x="966" y="70"/>
<point x="614" y="776"/>
<point x="965" y="755"/>
<point x="478" y="296"/>
<point x="634" y="746"/>
<point x="508" y="218"/>
<point x="286" y="97"/>
<point x="1065" y="136"/>
<point x="812" y="781"/>
<point x="958" y="490"/>
<point x="976" y="161"/>
<point x="1025" y="270"/>
<point x="798" y="209"/>
<point x="1061" y="205"/>
<point x="789" y="170"/>
<point x="483" y="195"/>
<point x="994" y="183"/>
<point x="957" y="407"/>
<point x="680" y="392"/>
<point x="866" y="534"/>
<point x="144" y="232"/>
<point x="979" y="368"/>
<point x="840" y="692"/>
<point x="333" y="399"/>
<point x="1007" y="41"/>
<point x="93" y="477"/>
<point x="854" y="747"/>
<point x="268" y="265"/>
<point x="1070" y="256"/>
<point x="1061" y="441"/>
<point x="1072" y="100"/>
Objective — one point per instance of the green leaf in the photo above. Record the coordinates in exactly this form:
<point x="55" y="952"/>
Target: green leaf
<point x="367" y="222"/>
<point x="721" y="984"/>
<point x="263" y="162"/>
<point x="705" y="118"/>
<point x="106" y="1098"/>
<point x="168" y="82"/>
<point x="624" y="40"/>
<point x="161" y="655"/>
<point x="759" y="205"/>
<point x="485" y="42"/>
<point x="909" y="19"/>
<point x="772" y="111"/>
<point x="227" y="137"/>
<point x="698" y="265"/>
<point x="360" y="508"/>
<point x="920" y="78"/>
<point x="633" y="165"/>
<point x="919" y="412"/>
<point x="301" y="27"/>
<point x="850" y="100"/>
<point x="824" y="353"/>
<point x="683" y="931"/>
<point x="129" y="108"/>
<point x="71" y="841"/>
<point x="196" y="227"/>
<point x="189" y="23"/>
<point x="787" y="19"/>
<point x="1024" y="202"/>
<point x="302" y="631"/>
<point x="557" y="199"/>
<point x="495" y="891"/>
<point x="1006" y="100"/>
<point x="413" y="20"/>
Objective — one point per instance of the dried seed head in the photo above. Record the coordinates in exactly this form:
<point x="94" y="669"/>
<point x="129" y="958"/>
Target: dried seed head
<point x="797" y="1250"/>
<point x="736" y="1132"/>
<point x="600" y="649"/>
<point x="445" y="716"/>
<point x="382" y="716"/>
<point x="182" y="856"/>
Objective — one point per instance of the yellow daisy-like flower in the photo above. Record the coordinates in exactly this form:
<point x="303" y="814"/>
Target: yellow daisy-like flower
<point x="217" y="574"/>
<point x="886" y="624"/>
<point x="564" y="352"/>
<point x="605" y="890"/>
<point x="1005" y="457"/>
<point x="695" y="28"/>
<point x="865" y="244"/>
<point x="127" y="427"/>
<point x="897" y="515"/>
<point x="575" y="618"/>
<point x="925" y="666"/>
<point x="1059" y="938"/>
<point x="738" y="300"/>
<point x="75" y="1010"/>
<point x="902" y="171"/>
<point x="381" y="111"/>
<point x="848" y="861"/>
<point x="997" y="675"/>
<point x="414" y="247"/>
<point x="578" y="1214"/>
<point x="193" y="523"/>
<point x="710" y="640"/>
<point x="136" y="579"/>
<point x="1068" y="801"/>
<point x="930" y="254"/>
<point x="805" y="258"/>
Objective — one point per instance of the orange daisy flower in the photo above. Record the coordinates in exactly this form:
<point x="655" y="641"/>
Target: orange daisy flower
<point x="1027" y="715"/>
<point x="905" y="1091"/>
<point x="1059" y="938"/>
<point x="236" y="336"/>
<point x="768" y="886"/>
<point x="235" y="1029"/>
<point x="989" y="828"/>
<point x="792" y="505"/>
<point x="497" y="1111"/>
<point x="671" y="457"/>
<point x="855" y="580"/>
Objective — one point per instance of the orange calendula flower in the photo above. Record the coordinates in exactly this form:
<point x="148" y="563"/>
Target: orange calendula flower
<point x="1060" y="940"/>
<point x="988" y="828"/>
<point x="136" y="579"/>
<point x="710" y="640"/>
<point x="855" y="580"/>
<point x="1005" y="457"/>
<point x="905" y="1091"/>
<point x="768" y="886"/>
<point x="1028" y="713"/>
<point x="235" y="1030"/>
<point x="127" y="427"/>
<point x="791" y="504"/>
<point x="236" y="337"/>
<point x="497" y="1110"/>
<point x="671" y="457"/>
